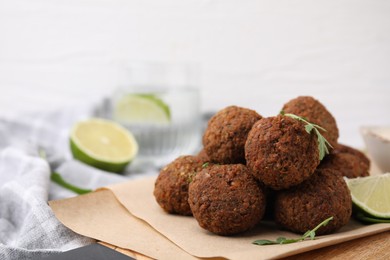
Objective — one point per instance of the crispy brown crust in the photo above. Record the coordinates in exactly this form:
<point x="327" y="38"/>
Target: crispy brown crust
<point x="314" y="112"/>
<point x="280" y="153"/>
<point x="342" y="148"/>
<point x="203" y="155"/>
<point x="282" y="165"/>
<point x="226" y="199"/>
<point x="226" y="133"/>
<point x="303" y="207"/>
<point x="348" y="161"/>
<point x="171" y="186"/>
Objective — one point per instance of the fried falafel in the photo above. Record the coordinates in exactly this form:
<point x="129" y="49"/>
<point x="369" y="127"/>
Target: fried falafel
<point x="226" y="199"/>
<point x="203" y="155"/>
<point x="342" y="148"/>
<point x="316" y="113"/>
<point x="348" y="161"/>
<point x="323" y="195"/>
<point x="280" y="153"/>
<point x="171" y="186"/>
<point x="226" y="133"/>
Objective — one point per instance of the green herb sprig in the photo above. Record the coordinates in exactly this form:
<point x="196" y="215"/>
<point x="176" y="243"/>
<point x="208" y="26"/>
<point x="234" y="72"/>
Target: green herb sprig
<point x="282" y="240"/>
<point x="57" y="178"/>
<point x="323" y="144"/>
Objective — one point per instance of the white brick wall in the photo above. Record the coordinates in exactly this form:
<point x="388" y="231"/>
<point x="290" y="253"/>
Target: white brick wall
<point x="254" y="53"/>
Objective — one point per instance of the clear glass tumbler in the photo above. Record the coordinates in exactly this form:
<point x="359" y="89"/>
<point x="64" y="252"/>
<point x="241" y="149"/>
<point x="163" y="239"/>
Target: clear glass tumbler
<point x="160" y="104"/>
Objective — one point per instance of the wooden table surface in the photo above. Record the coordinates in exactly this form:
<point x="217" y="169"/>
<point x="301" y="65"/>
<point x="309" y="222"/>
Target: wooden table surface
<point x="371" y="247"/>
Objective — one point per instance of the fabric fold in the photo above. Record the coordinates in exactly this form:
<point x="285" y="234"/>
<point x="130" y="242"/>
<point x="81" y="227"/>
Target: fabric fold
<point x="28" y="227"/>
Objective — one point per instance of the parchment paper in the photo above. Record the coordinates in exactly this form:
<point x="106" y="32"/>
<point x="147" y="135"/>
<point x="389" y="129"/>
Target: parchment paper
<point x="130" y="218"/>
<point x="185" y="232"/>
<point x="99" y="215"/>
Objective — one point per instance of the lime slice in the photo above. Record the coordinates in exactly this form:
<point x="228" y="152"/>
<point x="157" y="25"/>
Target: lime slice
<point x="368" y="219"/>
<point x="142" y="108"/>
<point x="371" y="194"/>
<point x="103" y="144"/>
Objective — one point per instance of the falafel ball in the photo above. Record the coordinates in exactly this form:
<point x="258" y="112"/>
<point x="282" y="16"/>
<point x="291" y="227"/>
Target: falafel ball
<point x="203" y="155"/>
<point x="316" y="113"/>
<point x="226" y="199"/>
<point x="171" y="186"/>
<point x="348" y="161"/>
<point x="280" y="153"/>
<point x="303" y="207"/>
<point x="226" y="133"/>
<point x="342" y="148"/>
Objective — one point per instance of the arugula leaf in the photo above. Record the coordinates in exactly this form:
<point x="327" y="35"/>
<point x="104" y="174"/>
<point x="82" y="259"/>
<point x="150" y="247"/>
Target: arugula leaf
<point x="323" y="144"/>
<point x="283" y="240"/>
<point x="308" y="128"/>
<point x="264" y="242"/>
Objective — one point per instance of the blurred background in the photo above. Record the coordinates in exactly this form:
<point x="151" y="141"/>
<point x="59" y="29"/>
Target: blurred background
<point x="255" y="53"/>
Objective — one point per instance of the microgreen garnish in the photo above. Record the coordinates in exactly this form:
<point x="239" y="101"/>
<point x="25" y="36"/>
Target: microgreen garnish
<point x="322" y="142"/>
<point x="282" y="240"/>
<point x="205" y="164"/>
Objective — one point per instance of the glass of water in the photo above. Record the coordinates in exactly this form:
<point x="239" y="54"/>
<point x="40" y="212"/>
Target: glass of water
<point x="160" y="104"/>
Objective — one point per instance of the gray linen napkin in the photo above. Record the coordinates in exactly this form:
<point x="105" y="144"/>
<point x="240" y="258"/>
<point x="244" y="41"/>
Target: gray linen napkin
<point x="28" y="228"/>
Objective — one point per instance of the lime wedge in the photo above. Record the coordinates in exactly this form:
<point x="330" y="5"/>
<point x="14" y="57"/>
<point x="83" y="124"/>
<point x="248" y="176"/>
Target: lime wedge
<point x="368" y="219"/>
<point x="142" y="108"/>
<point x="103" y="144"/>
<point x="371" y="195"/>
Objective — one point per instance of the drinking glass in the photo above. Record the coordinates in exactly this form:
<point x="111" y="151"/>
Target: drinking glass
<point x="160" y="104"/>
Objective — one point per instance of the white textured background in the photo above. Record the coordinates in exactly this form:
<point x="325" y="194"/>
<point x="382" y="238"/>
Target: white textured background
<point x="254" y="53"/>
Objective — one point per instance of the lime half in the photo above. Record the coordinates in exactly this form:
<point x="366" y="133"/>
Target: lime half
<point x="142" y="108"/>
<point x="371" y="195"/>
<point x="103" y="144"/>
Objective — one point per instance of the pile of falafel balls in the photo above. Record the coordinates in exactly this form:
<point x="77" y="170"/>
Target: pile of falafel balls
<point x="253" y="168"/>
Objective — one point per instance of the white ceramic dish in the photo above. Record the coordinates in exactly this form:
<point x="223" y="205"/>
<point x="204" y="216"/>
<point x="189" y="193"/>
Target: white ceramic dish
<point x="377" y="140"/>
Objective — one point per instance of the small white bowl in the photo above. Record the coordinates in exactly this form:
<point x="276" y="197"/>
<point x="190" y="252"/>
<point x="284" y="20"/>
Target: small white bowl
<point x="377" y="140"/>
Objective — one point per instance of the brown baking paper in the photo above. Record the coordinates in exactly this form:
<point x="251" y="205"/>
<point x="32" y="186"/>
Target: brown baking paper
<point x="99" y="215"/>
<point x="129" y="217"/>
